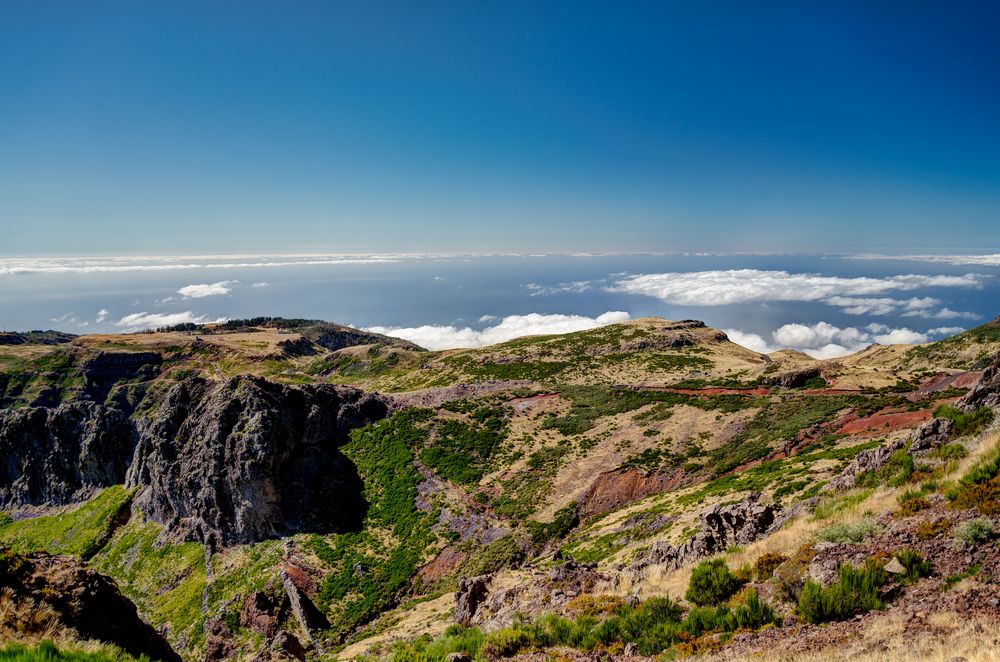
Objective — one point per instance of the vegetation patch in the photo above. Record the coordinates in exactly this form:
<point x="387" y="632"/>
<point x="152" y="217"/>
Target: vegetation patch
<point x="79" y="532"/>
<point x="370" y="571"/>
<point x="856" y="591"/>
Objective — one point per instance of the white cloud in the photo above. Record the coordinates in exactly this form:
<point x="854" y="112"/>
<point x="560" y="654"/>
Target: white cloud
<point x="142" y="321"/>
<point x="823" y="340"/>
<point x="991" y="260"/>
<point x="943" y="314"/>
<point x="260" y="284"/>
<point x="69" y="318"/>
<point x="750" y="341"/>
<point x="575" y="287"/>
<point x="488" y="318"/>
<point x="510" y="327"/>
<point x="945" y="331"/>
<point x="14" y="266"/>
<point x="206" y="289"/>
<point x="855" y="295"/>
<point x="102" y="315"/>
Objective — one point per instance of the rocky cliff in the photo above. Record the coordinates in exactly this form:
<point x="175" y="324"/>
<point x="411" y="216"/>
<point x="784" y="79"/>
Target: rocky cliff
<point x="61" y="455"/>
<point x="248" y="459"/>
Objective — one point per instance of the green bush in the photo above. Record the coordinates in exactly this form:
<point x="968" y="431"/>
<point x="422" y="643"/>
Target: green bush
<point x="46" y="651"/>
<point x="711" y="583"/>
<point x="506" y="642"/>
<point x="766" y="564"/>
<point x="966" y="423"/>
<point x="856" y="591"/>
<point x="849" y="532"/>
<point x="975" y="531"/>
<point x="915" y="564"/>
<point x="951" y="452"/>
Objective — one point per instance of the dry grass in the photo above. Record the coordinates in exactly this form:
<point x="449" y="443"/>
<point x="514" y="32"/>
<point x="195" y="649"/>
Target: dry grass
<point x="944" y="636"/>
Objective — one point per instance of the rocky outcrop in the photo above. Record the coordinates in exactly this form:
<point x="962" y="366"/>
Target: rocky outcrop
<point x="61" y="455"/>
<point x="719" y="527"/>
<point x="78" y="599"/>
<point x="931" y="434"/>
<point x="793" y="378"/>
<point x="248" y="459"/>
<point x="864" y="462"/>
<point x="470" y="594"/>
<point x="103" y="370"/>
<point x="986" y="393"/>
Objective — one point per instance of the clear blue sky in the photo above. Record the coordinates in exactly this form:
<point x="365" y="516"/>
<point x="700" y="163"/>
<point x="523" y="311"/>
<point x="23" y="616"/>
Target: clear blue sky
<point x="153" y="127"/>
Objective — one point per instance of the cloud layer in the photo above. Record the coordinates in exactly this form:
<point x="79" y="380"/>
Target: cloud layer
<point x="143" y="321"/>
<point x="510" y="327"/>
<point x="823" y="340"/>
<point x="856" y="295"/>
<point x="202" y="290"/>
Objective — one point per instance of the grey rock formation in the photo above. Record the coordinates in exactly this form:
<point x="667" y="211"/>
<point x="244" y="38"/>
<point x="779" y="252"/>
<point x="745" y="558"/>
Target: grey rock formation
<point x="470" y="594"/>
<point x="864" y="462"/>
<point x="931" y="434"/>
<point x="105" y="369"/>
<point x="719" y="527"/>
<point x="61" y="455"/>
<point x="248" y="459"/>
<point x="986" y="392"/>
<point x="793" y="378"/>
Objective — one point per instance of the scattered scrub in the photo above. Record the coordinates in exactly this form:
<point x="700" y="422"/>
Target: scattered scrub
<point x="849" y="532"/>
<point x="916" y="566"/>
<point x="975" y="531"/>
<point x="711" y="583"/>
<point x="856" y="591"/>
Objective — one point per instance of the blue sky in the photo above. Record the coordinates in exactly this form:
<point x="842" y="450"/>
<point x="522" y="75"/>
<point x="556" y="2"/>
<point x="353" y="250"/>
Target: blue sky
<point x="180" y="127"/>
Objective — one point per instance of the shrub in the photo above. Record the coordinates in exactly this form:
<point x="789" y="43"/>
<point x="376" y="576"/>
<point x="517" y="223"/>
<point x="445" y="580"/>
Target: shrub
<point x="974" y="531"/>
<point x="856" y="591"/>
<point x="754" y="613"/>
<point x="984" y="496"/>
<point x="932" y="529"/>
<point x="788" y="581"/>
<point x="966" y="423"/>
<point x="951" y="452"/>
<point x="711" y="583"/>
<point x="912" y="505"/>
<point x="506" y="642"/>
<point x="766" y="564"/>
<point x="849" y="532"/>
<point x="915" y="564"/>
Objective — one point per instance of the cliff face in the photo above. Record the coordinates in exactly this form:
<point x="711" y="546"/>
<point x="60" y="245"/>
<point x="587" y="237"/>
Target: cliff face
<point x="248" y="459"/>
<point x="56" y="592"/>
<point x="61" y="455"/>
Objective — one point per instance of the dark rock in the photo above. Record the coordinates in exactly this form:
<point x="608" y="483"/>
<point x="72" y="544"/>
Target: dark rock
<point x="83" y="600"/>
<point x="219" y="642"/>
<point x="263" y="613"/>
<point x="457" y="657"/>
<point x="986" y="393"/>
<point x="248" y="459"/>
<point x="931" y="434"/>
<point x="864" y="462"/>
<point x="793" y="378"/>
<point x="719" y="527"/>
<point x="470" y="594"/>
<point x="61" y="455"/>
<point x="104" y="370"/>
<point x="309" y="617"/>
<point x="287" y="646"/>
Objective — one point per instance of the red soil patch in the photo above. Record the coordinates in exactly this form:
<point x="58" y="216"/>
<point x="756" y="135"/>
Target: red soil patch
<point x="882" y="423"/>
<point x="616" y="488"/>
<point x="442" y="565"/>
